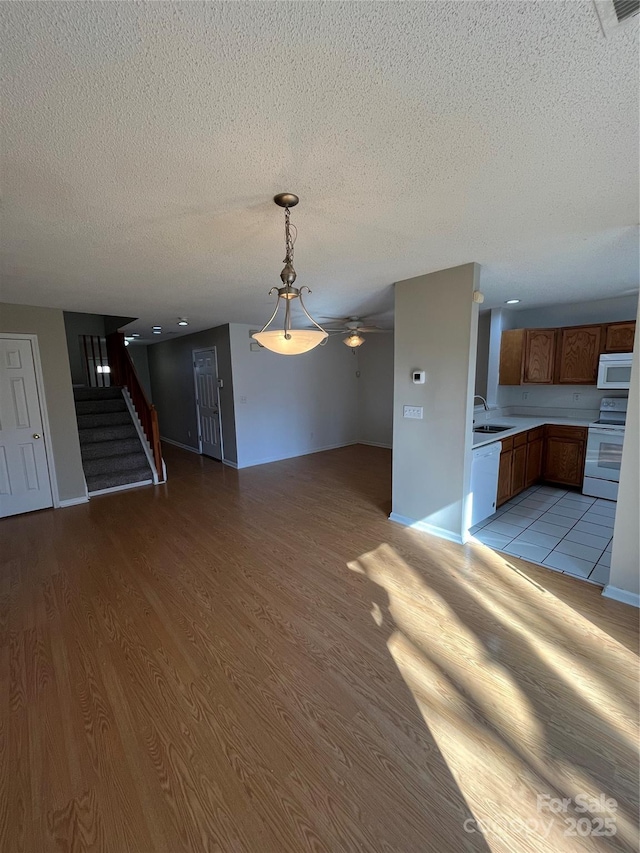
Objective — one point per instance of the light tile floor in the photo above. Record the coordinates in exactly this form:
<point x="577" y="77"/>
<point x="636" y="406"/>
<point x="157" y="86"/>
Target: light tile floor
<point x="556" y="528"/>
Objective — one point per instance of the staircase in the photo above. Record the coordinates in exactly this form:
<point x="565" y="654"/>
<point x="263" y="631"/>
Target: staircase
<point x="112" y="454"/>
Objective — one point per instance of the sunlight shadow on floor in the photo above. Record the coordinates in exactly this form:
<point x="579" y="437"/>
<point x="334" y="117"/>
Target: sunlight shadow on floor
<point x="484" y="674"/>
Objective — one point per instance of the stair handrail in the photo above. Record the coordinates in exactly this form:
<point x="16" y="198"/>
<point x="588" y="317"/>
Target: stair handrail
<point x="123" y="372"/>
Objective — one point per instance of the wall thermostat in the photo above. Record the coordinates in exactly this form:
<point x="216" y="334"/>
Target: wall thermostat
<point x="418" y="377"/>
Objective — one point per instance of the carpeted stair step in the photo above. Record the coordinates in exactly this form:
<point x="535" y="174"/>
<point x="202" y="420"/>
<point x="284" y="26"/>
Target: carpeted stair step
<point x="104" y="449"/>
<point x="114" y="464"/>
<point x="107" y="419"/>
<point x="98" y="482"/>
<point x="88" y="436"/>
<point x="99" y="407"/>
<point x="82" y="394"/>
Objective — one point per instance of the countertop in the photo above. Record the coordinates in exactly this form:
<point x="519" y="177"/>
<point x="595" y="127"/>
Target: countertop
<point x="518" y="424"/>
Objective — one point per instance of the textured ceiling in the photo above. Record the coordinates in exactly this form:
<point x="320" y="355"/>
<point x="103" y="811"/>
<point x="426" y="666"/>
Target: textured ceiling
<point x="142" y="143"/>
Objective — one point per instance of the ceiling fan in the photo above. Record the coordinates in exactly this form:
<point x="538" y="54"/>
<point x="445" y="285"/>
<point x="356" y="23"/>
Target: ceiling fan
<point x="353" y="328"/>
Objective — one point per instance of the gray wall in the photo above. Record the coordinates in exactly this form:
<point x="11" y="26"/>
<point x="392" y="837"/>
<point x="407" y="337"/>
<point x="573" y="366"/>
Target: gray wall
<point x="140" y="359"/>
<point x="48" y="325"/>
<point x="173" y="391"/>
<point x="482" y="352"/>
<point x="625" y="557"/>
<point x="375" y="390"/>
<point x="436" y="326"/>
<point x="76" y="324"/>
<point x="287" y="406"/>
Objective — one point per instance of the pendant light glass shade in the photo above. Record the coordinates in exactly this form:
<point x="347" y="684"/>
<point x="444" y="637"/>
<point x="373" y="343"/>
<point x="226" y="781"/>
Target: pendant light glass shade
<point x="289" y="341"/>
<point x="293" y="342"/>
<point x="353" y="340"/>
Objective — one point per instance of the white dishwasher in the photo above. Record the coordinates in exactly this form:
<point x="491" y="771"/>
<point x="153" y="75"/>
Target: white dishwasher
<point x="485" y="462"/>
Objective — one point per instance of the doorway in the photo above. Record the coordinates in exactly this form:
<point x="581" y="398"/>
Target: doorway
<point x="25" y="482"/>
<point x="205" y="372"/>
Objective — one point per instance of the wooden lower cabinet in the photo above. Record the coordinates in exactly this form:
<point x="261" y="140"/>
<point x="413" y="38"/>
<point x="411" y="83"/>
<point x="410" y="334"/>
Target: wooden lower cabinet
<point x="519" y="466"/>
<point x="554" y="454"/>
<point x="504" y="477"/>
<point x="564" y="455"/>
<point x="535" y="451"/>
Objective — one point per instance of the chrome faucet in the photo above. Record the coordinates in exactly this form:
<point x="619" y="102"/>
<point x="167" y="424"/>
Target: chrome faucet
<point x="484" y="402"/>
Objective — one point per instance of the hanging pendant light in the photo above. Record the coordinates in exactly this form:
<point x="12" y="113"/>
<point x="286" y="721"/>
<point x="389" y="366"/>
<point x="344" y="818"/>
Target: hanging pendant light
<point x="353" y="340"/>
<point x="289" y="341"/>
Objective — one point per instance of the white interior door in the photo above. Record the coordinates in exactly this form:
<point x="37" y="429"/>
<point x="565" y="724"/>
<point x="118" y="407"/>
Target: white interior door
<point x="24" y="473"/>
<point x="205" y="365"/>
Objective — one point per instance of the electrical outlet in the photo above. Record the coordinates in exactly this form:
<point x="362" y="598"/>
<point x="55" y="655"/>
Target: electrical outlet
<point x="243" y="399"/>
<point x="576" y="398"/>
<point x="412" y="412"/>
<point x="525" y="395"/>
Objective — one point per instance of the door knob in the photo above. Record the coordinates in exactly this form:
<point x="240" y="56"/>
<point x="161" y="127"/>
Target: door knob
<point x="36" y="435"/>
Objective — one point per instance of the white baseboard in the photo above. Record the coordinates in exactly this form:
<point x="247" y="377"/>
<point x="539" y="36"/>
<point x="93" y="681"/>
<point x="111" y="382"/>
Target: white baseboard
<point x="423" y="526"/>
<point x="269" y="459"/>
<point x="622" y="595"/>
<point x="122" y="488"/>
<point x="376" y="444"/>
<point x="73" y="501"/>
<point x="180" y="445"/>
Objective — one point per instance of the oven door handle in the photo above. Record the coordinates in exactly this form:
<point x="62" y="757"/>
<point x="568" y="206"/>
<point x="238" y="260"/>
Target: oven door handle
<point x="612" y="433"/>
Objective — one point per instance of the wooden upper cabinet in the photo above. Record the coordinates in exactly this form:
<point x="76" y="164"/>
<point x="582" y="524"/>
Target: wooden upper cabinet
<point x="511" y="357"/>
<point x="618" y="337"/>
<point x="539" y="356"/>
<point x="527" y="356"/>
<point x="578" y="354"/>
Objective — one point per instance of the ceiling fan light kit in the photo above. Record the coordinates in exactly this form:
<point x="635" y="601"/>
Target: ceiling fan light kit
<point x="353" y="340"/>
<point x="289" y="341"/>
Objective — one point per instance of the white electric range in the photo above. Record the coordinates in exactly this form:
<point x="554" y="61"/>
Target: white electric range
<point x="604" y="449"/>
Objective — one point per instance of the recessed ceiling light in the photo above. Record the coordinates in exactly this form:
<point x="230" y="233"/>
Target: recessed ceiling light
<point x="157" y="328"/>
<point x="157" y="331"/>
<point x="134" y="335"/>
<point x="182" y="321"/>
<point x="512" y="302"/>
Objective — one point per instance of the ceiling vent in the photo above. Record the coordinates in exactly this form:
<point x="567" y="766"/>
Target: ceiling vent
<point x="615" y="14"/>
<point x="626" y="9"/>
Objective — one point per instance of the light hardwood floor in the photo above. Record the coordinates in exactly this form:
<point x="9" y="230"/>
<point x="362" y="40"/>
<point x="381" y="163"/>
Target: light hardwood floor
<point x="260" y="661"/>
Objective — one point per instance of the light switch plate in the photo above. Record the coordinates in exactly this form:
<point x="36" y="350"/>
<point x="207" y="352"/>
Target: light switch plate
<point x="412" y="412"/>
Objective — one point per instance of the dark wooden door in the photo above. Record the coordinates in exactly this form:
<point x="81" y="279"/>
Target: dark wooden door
<point x="539" y="356"/>
<point x="578" y="355"/>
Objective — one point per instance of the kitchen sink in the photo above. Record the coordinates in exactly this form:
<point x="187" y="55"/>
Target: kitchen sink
<point x="490" y="428"/>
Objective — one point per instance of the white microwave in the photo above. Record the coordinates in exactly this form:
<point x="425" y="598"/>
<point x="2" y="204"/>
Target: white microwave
<point x="614" y="371"/>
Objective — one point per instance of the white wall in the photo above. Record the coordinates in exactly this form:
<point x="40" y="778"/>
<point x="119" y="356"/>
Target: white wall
<point x="560" y="399"/>
<point x="375" y="390"/>
<point x="573" y="314"/>
<point x="436" y="324"/>
<point x="624" y="579"/>
<point x="287" y="406"/>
